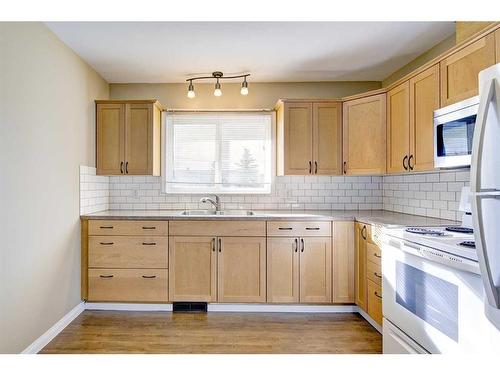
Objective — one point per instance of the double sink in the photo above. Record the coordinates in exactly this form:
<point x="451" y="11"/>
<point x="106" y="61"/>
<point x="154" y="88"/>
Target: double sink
<point x="217" y="213"/>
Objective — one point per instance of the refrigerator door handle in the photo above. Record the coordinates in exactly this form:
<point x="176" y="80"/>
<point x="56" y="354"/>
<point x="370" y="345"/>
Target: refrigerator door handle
<point x="477" y="140"/>
<point x="478" y="195"/>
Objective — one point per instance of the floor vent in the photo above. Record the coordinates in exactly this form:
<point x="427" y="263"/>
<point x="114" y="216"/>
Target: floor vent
<point x="190" y="307"/>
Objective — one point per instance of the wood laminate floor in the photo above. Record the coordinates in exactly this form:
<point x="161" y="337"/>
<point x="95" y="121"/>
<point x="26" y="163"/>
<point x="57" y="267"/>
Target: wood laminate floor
<point x="165" y="332"/>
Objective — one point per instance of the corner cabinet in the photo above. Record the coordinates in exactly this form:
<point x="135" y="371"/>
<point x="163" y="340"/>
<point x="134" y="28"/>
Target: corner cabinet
<point x="459" y="71"/>
<point x="309" y="137"/>
<point x="128" y="137"/>
<point x="364" y="127"/>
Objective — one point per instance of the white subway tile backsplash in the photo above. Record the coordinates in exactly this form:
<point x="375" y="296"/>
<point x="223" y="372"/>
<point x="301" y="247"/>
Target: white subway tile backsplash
<point x="94" y="191"/>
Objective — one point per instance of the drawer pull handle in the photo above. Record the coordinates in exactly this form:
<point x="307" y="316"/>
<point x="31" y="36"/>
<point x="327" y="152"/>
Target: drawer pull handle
<point x="148" y="277"/>
<point x="376" y="274"/>
<point x="377" y="256"/>
<point x="105" y="276"/>
<point x="148" y="227"/>
<point x="106" y="227"/>
<point x="106" y="243"/>
<point x="312" y="228"/>
<point x="377" y="295"/>
<point x="285" y="228"/>
<point x="149" y="243"/>
<point x="213" y="244"/>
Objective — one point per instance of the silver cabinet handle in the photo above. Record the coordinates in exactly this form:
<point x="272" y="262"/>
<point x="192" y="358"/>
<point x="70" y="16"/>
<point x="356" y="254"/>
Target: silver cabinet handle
<point x="106" y="243"/>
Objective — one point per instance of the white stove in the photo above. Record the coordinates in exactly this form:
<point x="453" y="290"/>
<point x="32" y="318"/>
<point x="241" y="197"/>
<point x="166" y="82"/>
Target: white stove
<point x="458" y="241"/>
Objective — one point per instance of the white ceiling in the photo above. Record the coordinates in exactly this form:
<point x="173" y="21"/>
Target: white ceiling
<point x="158" y="52"/>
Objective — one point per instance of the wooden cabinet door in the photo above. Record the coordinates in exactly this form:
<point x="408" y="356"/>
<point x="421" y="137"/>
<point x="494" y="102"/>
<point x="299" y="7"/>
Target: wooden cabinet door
<point x="316" y="269"/>
<point x="375" y="301"/>
<point x="360" y="266"/>
<point x="424" y="99"/>
<point x="364" y="128"/>
<point x="241" y="269"/>
<point x="398" y="128"/>
<point x="110" y="138"/>
<point x="192" y="269"/>
<point x="327" y="138"/>
<point x="298" y="138"/>
<point x="497" y="46"/>
<point x="139" y="139"/>
<point x="459" y="71"/>
<point x="343" y="262"/>
<point x="282" y="269"/>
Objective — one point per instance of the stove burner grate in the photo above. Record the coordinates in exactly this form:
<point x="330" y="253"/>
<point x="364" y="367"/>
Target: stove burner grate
<point x="424" y="231"/>
<point x="470" y="244"/>
<point x="460" y="230"/>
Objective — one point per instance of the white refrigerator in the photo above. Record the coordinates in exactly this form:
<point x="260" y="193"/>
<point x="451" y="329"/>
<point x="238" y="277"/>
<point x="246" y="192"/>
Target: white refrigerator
<point x="485" y="188"/>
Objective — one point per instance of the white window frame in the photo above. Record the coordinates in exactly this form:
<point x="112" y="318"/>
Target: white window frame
<point x="164" y="166"/>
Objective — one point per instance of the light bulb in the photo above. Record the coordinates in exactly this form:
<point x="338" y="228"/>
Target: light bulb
<point x="244" y="87"/>
<point x="191" y="94"/>
<point x="217" y="91"/>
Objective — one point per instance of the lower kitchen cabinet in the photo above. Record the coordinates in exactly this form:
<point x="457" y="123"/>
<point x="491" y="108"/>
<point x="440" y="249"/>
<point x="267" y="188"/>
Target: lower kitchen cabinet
<point x="369" y="271"/>
<point x="343" y="262"/>
<point x="299" y="269"/>
<point x="241" y="269"/>
<point x="282" y="269"/>
<point x="193" y="269"/>
<point x="127" y="285"/>
<point x="316" y="269"/>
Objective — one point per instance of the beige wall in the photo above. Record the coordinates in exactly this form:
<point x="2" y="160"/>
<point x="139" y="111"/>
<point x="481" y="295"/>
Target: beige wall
<point x="47" y="131"/>
<point x="261" y="95"/>
<point x="428" y="55"/>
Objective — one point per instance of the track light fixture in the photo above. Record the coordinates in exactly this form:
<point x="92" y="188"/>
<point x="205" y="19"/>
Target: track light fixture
<point x="218" y="76"/>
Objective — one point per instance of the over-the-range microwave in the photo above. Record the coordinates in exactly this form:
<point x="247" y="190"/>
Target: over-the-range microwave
<point x="453" y="132"/>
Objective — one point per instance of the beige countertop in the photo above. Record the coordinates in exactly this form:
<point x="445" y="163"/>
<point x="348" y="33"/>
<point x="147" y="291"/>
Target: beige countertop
<point x="376" y="217"/>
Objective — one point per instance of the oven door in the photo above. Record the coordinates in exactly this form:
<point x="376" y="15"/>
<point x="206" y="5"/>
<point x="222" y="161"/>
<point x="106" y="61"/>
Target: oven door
<point x="453" y="137"/>
<point x="439" y="307"/>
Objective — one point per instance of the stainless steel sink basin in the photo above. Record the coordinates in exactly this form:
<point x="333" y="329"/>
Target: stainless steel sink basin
<point x="217" y="213"/>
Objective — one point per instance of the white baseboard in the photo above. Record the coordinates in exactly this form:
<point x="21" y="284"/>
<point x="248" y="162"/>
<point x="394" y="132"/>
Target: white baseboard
<point x="53" y="331"/>
<point x="367" y="317"/>
<point x="128" y="306"/>
<point x="248" y="307"/>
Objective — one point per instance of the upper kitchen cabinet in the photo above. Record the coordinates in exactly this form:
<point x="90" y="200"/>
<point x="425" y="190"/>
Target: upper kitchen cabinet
<point x="424" y="100"/>
<point x="309" y="138"/>
<point x="398" y="128"/>
<point x="410" y="109"/>
<point x="497" y="45"/>
<point x="364" y="126"/>
<point x="459" y="71"/>
<point x="128" y="137"/>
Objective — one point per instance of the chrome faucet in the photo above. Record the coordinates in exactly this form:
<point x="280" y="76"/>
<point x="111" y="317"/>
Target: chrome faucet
<point x="215" y="203"/>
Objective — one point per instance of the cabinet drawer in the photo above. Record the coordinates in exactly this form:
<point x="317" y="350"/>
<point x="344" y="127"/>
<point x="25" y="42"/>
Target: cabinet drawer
<point x="375" y="301"/>
<point x="299" y="228"/>
<point x="128" y="228"/>
<point x="128" y="285"/>
<point x="374" y="272"/>
<point x="218" y="228"/>
<point x="128" y="252"/>
<point x="373" y="253"/>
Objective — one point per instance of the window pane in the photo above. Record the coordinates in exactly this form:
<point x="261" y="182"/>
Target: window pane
<point x="218" y="152"/>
